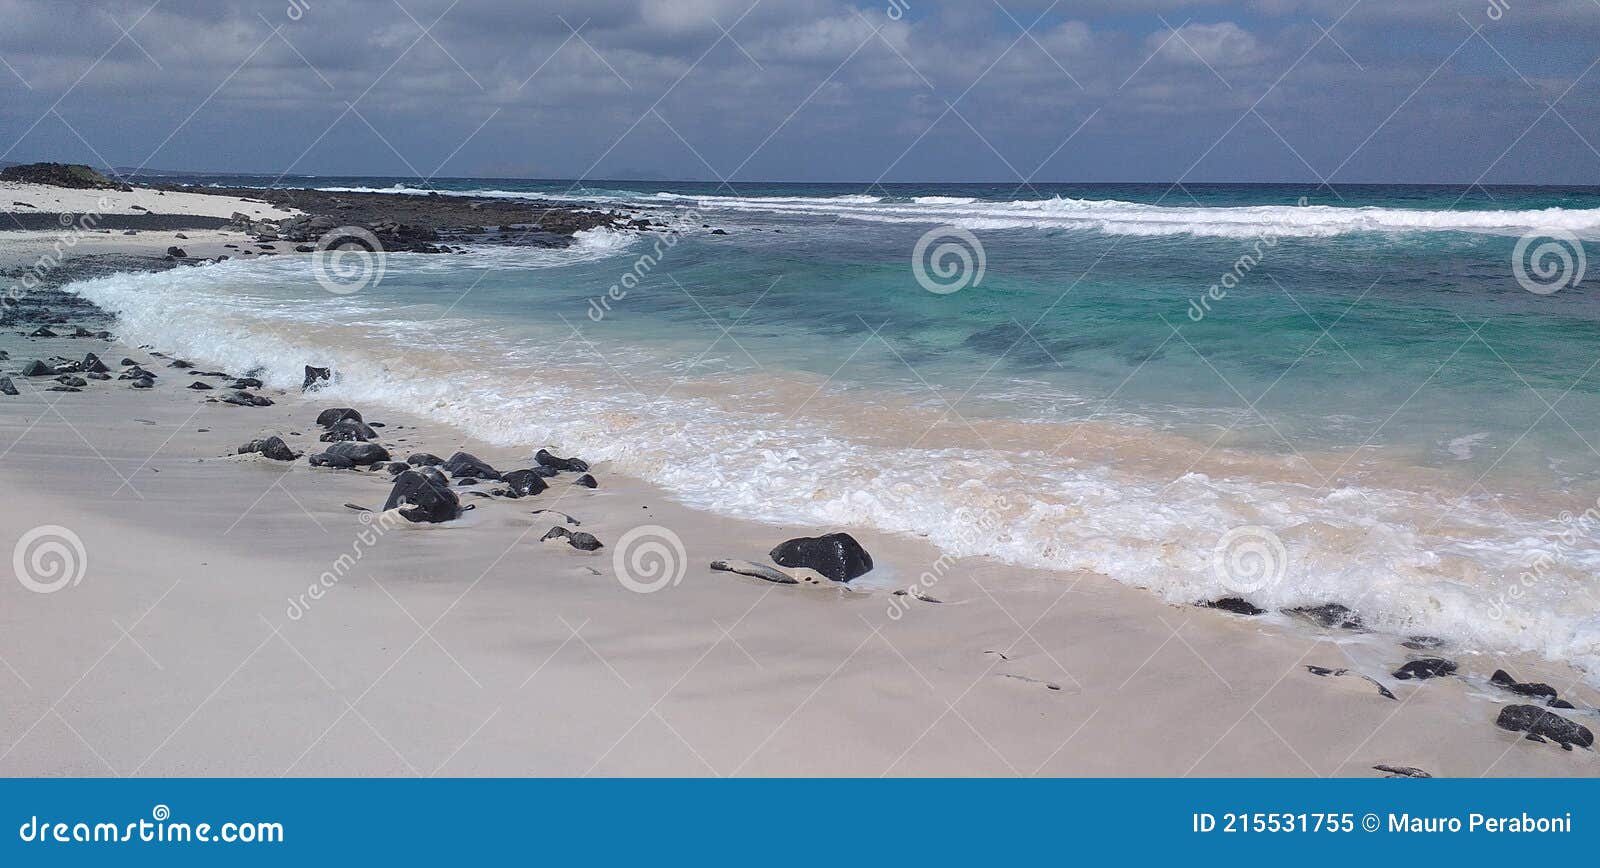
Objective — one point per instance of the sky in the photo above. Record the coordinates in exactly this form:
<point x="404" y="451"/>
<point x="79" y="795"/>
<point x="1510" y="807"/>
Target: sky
<point x="1423" y="91"/>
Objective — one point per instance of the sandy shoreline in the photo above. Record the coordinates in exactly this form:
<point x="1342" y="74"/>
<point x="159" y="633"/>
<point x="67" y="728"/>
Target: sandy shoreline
<point x="471" y="648"/>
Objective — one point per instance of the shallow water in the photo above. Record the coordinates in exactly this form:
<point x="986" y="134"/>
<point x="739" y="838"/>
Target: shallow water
<point x="1369" y="386"/>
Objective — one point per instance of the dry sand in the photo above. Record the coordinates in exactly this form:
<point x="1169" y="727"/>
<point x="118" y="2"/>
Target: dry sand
<point x="41" y="197"/>
<point x="192" y="647"/>
<point x="83" y="235"/>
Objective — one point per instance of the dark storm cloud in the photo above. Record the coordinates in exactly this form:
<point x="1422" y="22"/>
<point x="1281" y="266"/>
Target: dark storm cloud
<point x="812" y="89"/>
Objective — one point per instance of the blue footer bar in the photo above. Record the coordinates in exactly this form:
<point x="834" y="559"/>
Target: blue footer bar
<point x="766" y="822"/>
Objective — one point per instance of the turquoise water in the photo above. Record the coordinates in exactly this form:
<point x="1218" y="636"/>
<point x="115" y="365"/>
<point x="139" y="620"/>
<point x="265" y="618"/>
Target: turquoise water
<point x="1141" y="370"/>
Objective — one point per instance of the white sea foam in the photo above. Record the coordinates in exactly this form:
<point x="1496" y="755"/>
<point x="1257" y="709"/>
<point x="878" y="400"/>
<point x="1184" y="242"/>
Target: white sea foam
<point x="1131" y="218"/>
<point x="1410" y="561"/>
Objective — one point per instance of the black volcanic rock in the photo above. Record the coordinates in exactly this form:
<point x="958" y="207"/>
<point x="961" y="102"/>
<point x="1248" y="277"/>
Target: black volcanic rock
<point x="348" y="429"/>
<point x="360" y="453"/>
<point x="329" y="459"/>
<point x="1425" y="668"/>
<point x="1503" y="680"/>
<point x="575" y="465"/>
<point x="245" y="399"/>
<point x="467" y="464"/>
<point x="1236" y="605"/>
<point x="1541" y="725"/>
<point x="328" y="417"/>
<point x="421" y="499"/>
<point x="269" y="447"/>
<point x="577" y="539"/>
<point x="836" y="555"/>
<point x="523" y="483"/>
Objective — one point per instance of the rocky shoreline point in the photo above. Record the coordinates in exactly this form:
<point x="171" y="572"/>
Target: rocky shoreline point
<point x="73" y="176"/>
<point x="418" y="223"/>
<point x="430" y="222"/>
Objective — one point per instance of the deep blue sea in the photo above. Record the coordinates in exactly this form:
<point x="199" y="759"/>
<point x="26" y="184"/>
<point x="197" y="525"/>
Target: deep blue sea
<point x="1381" y="395"/>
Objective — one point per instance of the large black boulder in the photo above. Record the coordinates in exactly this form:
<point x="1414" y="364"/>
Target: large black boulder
<point x="423" y="459"/>
<point x="467" y="464"/>
<point x="836" y="555"/>
<point x="92" y="364"/>
<point x="360" y="453"/>
<point x="523" y="483"/>
<point x="422" y="499"/>
<point x="37" y="368"/>
<point x="327" y="417"/>
<point x="1541" y="725"/>
<point x="7" y="387"/>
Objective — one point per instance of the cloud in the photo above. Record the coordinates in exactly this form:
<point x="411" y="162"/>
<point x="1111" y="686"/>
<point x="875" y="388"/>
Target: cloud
<point x="808" y="89"/>
<point x="1224" y="44"/>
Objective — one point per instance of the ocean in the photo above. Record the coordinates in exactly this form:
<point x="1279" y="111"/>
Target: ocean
<point x="1382" y="396"/>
